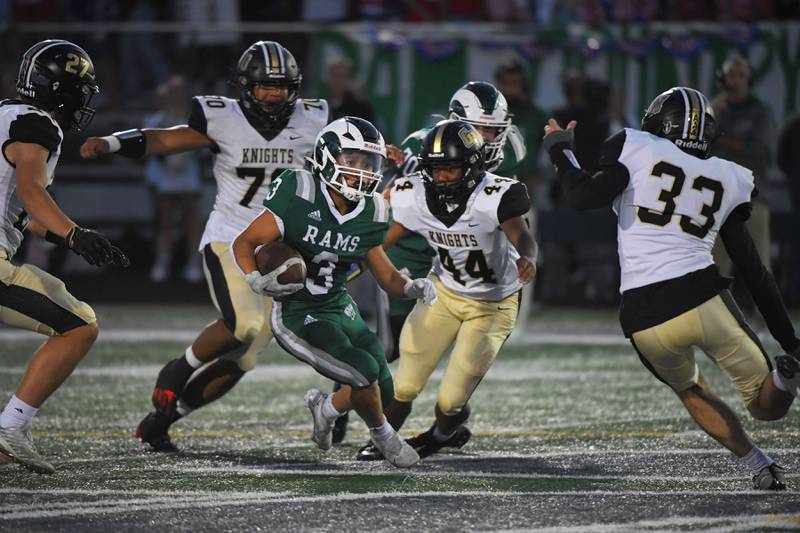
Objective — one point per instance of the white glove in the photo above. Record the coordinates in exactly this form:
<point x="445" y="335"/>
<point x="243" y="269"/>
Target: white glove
<point x="420" y="289"/>
<point x="268" y="284"/>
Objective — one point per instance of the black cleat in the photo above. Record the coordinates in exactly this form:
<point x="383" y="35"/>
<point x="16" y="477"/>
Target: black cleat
<point x="425" y="444"/>
<point x="169" y="384"/>
<point x="369" y="452"/>
<point x="339" y="429"/>
<point x="770" y="478"/>
<point x="153" y="429"/>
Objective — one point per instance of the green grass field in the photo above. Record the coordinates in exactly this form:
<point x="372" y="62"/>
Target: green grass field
<point x="570" y="436"/>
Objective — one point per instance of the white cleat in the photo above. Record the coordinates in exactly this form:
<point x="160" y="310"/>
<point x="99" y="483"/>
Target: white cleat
<point x="323" y="427"/>
<point x="396" y="450"/>
<point x="17" y="443"/>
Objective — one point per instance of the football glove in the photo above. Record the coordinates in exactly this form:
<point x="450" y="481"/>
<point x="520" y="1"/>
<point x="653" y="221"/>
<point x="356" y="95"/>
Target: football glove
<point x="268" y="284"/>
<point x="420" y="289"/>
<point x="95" y="248"/>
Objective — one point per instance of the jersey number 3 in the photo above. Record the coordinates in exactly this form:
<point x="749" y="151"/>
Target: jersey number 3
<point x="668" y="196"/>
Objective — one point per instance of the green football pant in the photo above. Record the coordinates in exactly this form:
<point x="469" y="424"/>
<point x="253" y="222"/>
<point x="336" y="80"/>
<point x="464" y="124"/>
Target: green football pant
<point x="337" y="345"/>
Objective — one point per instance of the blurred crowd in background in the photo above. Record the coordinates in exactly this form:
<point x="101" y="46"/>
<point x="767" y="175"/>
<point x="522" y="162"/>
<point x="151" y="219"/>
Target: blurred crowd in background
<point x="148" y="77"/>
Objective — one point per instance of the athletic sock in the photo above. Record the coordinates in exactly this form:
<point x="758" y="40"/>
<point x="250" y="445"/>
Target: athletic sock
<point x="442" y="437"/>
<point x="756" y="459"/>
<point x="17" y="413"/>
<point x="382" y="432"/>
<point x="328" y="410"/>
<point x="192" y="359"/>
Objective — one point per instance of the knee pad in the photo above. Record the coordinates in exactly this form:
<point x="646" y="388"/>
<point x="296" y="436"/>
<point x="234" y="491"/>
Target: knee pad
<point x="249" y="328"/>
<point x="450" y="405"/>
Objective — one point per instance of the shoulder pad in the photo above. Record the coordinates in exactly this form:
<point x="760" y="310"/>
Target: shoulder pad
<point x="315" y="108"/>
<point x="381" y="208"/>
<point x="416" y="136"/>
<point x="305" y="183"/>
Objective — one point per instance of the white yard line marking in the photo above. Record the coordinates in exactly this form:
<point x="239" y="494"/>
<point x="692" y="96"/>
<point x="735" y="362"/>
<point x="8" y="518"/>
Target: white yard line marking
<point x="214" y="499"/>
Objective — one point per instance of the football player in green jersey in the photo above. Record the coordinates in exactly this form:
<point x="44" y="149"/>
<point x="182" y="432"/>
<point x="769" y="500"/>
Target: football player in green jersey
<point x="333" y="217"/>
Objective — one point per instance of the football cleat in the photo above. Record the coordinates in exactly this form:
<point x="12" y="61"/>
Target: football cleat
<point x="340" y="429"/>
<point x="169" y="384"/>
<point x="425" y="444"/>
<point x="323" y="426"/>
<point x="17" y="444"/>
<point x="770" y="478"/>
<point x="396" y="450"/>
<point x="789" y="372"/>
<point x="153" y="429"/>
<point x="369" y="452"/>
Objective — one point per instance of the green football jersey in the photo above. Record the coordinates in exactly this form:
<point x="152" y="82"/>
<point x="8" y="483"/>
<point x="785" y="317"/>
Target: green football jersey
<point x="328" y="240"/>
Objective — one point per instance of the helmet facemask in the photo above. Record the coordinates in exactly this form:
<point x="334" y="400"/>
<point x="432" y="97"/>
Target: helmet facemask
<point x="351" y="172"/>
<point x="274" y="114"/>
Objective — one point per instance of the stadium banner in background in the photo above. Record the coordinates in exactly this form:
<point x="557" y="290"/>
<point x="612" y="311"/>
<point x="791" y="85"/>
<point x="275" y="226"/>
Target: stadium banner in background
<point x="409" y="78"/>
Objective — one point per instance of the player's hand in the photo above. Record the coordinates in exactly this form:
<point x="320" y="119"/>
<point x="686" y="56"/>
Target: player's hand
<point x="553" y="126"/>
<point x="94" y="147"/>
<point x="420" y="289"/>
<point x="268" y="284"/>
<point x="394" y="155"/>
<point x="95" y="248"/>
<point x="526" y="269"/>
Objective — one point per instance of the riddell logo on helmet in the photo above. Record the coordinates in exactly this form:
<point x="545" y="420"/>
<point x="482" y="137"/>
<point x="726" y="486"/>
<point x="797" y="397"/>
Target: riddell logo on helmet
<point x="372" y="146"/>
<point x="691" y="145"/>
<point x="27" y="91"/>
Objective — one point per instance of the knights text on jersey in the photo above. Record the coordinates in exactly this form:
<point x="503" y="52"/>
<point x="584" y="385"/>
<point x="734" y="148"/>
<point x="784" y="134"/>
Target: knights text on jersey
<point x="245" y="162"/>
<point x="672" y="209"/>
<point x="473" y="256"/>
<point x="328" y="240"/>
<point x="21" y="122"/>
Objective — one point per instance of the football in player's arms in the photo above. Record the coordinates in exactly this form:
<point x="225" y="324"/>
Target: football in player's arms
<point x="334" y="217"/>
<point x="254" y="138"/>
<point x="672" y="200"/>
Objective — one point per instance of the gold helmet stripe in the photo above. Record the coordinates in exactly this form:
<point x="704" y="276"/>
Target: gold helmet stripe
<point x="694" y="115"/>
<point x="437" y="141"/>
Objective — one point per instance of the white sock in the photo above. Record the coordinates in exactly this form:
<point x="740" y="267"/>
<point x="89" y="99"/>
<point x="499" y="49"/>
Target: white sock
<point x="756" y="459"/>
<point x="441" y="437"/>
<point x="382" y="432"/>
<point x="778" y="380"/>
<point x="192" y="359"/>
<point x="17" y="413"/>
<point x="328" y="410"/>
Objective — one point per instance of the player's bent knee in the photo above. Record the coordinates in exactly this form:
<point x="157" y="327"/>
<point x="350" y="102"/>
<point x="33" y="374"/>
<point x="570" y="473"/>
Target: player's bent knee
<point x="450" y="406"/>
<point x="406" y="392"/>
<point x="248" y="329"/>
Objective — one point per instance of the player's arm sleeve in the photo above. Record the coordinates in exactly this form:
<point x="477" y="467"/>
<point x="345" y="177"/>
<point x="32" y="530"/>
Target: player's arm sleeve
<point x="35" y="129"/>
<point x="583" y="190"/>
<point x="758" y="279"/>
<point x="197" y="118"/>
<point x="514" y="203"/>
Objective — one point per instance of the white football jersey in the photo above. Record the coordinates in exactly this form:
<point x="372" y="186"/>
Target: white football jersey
<point x="474" y="257"/>
<point x="672" y="209"/>
<point x="245" y="162"/>
<point x="23" y="123"/>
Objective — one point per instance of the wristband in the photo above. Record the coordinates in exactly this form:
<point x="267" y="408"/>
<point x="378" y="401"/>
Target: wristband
<point x="113" y="143"/>
<point x="132" y="143"/>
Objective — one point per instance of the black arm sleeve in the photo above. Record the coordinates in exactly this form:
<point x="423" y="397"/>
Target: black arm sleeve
<point x="36" y="129"/>
<point x="758" y="279"/>
<point x="584" y="191"/>
<point x="197" y="119"/>
<point x="515" y="202"/>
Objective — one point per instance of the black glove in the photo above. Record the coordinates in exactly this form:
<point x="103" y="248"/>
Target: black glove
<point x="95" y="248"/>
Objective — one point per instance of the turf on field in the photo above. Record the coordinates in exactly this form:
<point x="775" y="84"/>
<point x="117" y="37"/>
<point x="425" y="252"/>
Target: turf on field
<point x="573" y="435"/>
